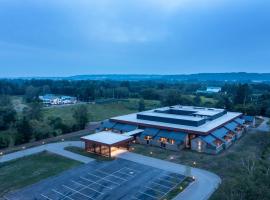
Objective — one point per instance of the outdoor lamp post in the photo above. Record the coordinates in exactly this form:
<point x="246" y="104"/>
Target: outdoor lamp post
<point x="1" y="155"/>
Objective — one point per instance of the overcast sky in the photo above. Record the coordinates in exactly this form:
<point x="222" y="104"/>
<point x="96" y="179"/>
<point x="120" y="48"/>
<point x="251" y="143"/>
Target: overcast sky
<point x="69" y="37"/>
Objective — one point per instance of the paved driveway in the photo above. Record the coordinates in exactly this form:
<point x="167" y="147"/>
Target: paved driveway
<point x="57" y="148"/>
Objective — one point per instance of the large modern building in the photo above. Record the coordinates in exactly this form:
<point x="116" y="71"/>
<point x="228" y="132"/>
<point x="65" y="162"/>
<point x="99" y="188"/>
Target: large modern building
<point x="208" y="130"/>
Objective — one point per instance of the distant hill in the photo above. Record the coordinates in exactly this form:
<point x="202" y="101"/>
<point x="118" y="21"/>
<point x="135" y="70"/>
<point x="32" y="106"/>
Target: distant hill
<point x="241" y="76"/>
<point x="230" y="77"/>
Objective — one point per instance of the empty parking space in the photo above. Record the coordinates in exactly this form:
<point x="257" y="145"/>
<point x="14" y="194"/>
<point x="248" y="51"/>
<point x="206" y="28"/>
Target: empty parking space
<point x="101" y="181"/>
<point x="159" y="187"/>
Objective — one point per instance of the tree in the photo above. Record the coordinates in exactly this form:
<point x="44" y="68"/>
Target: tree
<point x="81" y="116"/>
<point x="33" y="111"/>
<point x="242" y="93"/>
<point x="7" y="113"/>
<point x="173" y="97"/>
<point x="31" y="93"/>
<point x="25" y="130"/>
<point x="141" y="105"/>
<point x="197" y="100"/>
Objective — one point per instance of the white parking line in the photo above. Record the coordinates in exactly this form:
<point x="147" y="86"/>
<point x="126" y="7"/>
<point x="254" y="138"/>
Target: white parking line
<point x="167" y="181"/>
<point x="161" y="185"/>
<point x="95" y="182"/>
<point x="87" y="186"/>
<point x="77" y="192"/>
<point x="108" y="174"/>
<point x="135" y="198"/>
<point x="132" y="169"/>
<point x="105" y="179"/>
<point x="45" y="197"/>
<point x="95" y="175"/>
<point x="126" y="174"/>
<point x="148" y="195"/>
<point x="155" y="190"/>
<point x="65" y="196"/>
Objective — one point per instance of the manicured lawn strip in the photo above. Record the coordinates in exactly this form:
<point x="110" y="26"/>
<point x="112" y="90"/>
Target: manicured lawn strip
<point x="31" y="169"/>
<point x="90" y="155"/>
<point x="178" y="189"/>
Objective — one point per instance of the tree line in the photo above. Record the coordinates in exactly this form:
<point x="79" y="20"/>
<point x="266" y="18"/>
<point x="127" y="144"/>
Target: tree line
<point x="30" y="125"/>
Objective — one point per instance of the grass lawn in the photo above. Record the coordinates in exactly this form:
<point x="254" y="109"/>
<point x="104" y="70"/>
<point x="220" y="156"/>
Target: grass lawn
<point x="98" y="112"/>
<point x="90" y="155"/>
<point x="228" y="165"/>
<point x="31" y="169"/>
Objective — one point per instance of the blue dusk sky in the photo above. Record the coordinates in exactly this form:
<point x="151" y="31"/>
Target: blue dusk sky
<point x="71" y="37"/>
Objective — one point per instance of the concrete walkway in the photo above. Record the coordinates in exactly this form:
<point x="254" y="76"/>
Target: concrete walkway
<point x="203" y="187"/>
<point x="264" y="127"/>
<point x="57" y="148"/>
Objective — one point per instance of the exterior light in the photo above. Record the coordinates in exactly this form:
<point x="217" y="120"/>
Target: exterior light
<point x="43" y="142"/>
<point x="1" y="153"/>
<point x="151" y="152"/>
<point x="171" y="157"/>
<point x="181" y="188"/>
<point x="63" y="139"/>
<point x="194" y="163"/>
<point x="23" y="147"/>
<point x="193" y="177"/>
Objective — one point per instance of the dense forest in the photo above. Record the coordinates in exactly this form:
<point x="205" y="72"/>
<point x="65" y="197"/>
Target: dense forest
<point x="29" y="124"/>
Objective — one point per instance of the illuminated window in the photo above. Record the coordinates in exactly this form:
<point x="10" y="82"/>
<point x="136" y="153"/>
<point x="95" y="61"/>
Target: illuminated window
<point x="199" y="145"/>
<point x="147" y="137"/>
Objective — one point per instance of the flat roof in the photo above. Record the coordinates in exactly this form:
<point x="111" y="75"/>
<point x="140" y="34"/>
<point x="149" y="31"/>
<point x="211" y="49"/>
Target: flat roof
<point x="107" y="137"/>
<point x="204" y="128"/>
<point x="132" y="133"/>
<point x="197" y="110"/>
<point x="172" y="116"/>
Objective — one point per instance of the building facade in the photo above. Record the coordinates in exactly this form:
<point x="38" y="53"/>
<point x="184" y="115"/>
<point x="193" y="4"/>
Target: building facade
<point x="208" y="130"/>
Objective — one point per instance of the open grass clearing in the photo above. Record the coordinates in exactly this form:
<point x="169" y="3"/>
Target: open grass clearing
<point x="31" y="169"/>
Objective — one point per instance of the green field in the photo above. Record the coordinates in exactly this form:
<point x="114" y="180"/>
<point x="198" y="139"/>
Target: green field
<point x="253" y="147"/>
<point x="31" y="169"/>
<point x="98" y="112"/>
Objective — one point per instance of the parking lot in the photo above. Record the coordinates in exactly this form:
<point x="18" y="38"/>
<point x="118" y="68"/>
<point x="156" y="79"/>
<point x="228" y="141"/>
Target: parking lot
<point x="118" y="179"/>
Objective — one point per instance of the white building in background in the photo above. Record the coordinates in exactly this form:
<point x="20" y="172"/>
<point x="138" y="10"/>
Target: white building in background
<point x="51" y="99"/>
<point x="210" y="90"/>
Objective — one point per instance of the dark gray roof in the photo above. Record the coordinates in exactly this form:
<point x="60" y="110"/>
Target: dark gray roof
<point x="108" y="124"/>
<point x="128" y="127"/>
<point x="150" y="132"/>
<point x="220" y="133"/>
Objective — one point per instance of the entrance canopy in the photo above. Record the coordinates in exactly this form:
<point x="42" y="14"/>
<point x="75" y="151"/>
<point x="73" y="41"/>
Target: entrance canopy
<point x="107" y="138"/>
<point x="102" y="142"/>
